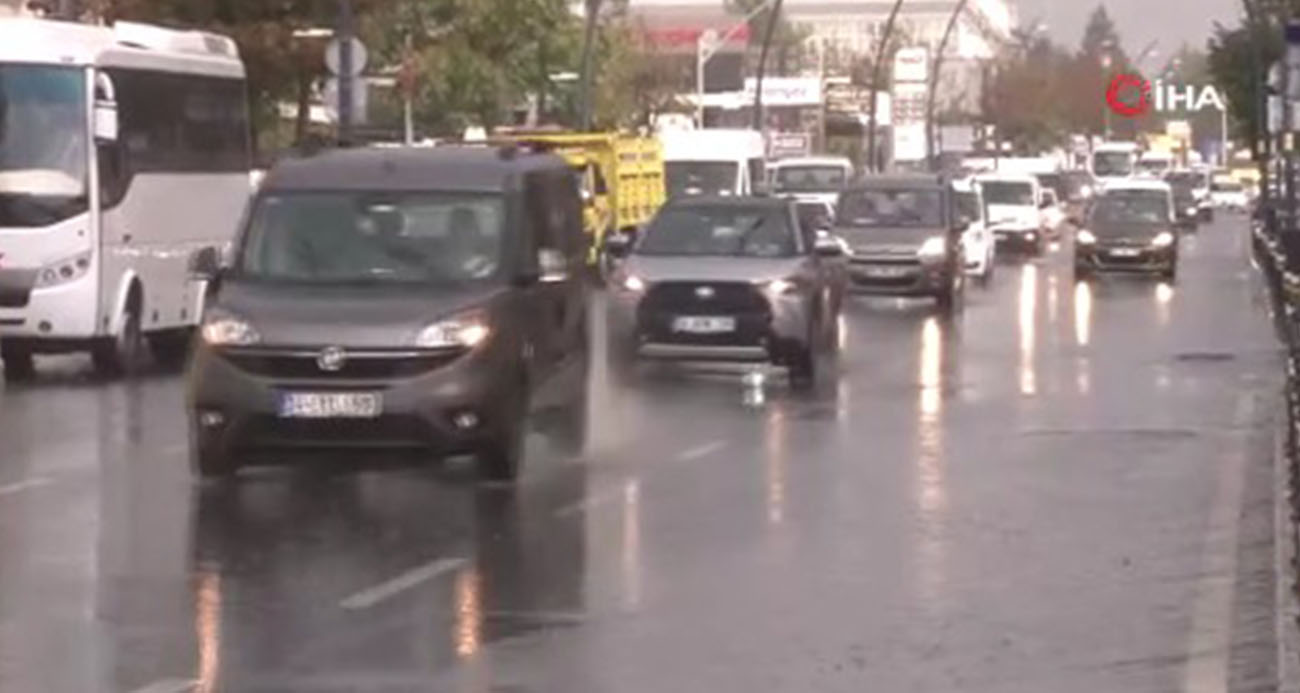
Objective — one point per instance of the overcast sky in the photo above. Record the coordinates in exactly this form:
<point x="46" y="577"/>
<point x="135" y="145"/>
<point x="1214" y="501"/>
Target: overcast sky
<point x="1172" y="22"/>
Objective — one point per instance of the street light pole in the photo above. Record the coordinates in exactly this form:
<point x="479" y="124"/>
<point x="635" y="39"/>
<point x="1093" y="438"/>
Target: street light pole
<point x="934" y="85"/>
<point x="881" y="48"/>
<point x="707" y="45"/>
<point x="345" y="33"/>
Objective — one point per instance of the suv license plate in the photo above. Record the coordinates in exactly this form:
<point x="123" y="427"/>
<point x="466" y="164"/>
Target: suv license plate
<point x="330" y="405"/>
<point x="886" y="272"/>
<point x="1126" y="252"/>
<point x="704" y="325"/>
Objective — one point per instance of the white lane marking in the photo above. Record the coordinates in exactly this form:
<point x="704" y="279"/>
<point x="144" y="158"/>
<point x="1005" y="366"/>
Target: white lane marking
<point x="20" y="486"/>
<point x="1210" y="638"/>
<point x="607" y="496"/>
<point x="701" y="451"/>
<point x="168" y="686"/>
<point x="373" y="595"/>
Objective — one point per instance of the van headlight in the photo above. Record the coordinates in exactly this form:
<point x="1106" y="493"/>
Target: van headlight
<point x="464" y="331"/>
<point x="1163" y="239"/>
<point x="63" y="271"/>
<point x="226" y="329"/>
<point x="933" y="248"/>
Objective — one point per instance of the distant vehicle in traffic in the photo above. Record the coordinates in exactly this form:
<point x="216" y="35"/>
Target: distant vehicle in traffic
<point x="424" y="299"/>
<point x="1014" y="211"/>
<point x="729" y="279"/>
<point x="121" y="149"/>
<point x="1130" y="228"/>
<point x="1196" y="179"/>
<point x="1154" y="164"/>
<point x="714" y="162"/>
<point x="979" y="249"/>
<point x="905" y="236"/>
<point x="1079" y="188"/>
<point x="1114" y="161"/>
<point x="1230" y="195"/>
<point x="811" y="179"/>
<point x="1187" y="210"/>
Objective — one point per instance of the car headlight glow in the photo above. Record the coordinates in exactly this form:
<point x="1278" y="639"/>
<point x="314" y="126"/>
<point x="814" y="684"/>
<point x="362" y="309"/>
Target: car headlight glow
<point x="1086" y="191"/>
<point x="633" y="284"/>
<point x="1085" y="237"/>
<point x="1163" y="239"/>
<point x="62" y="271"/>
<point x="778" y="287"/>
<point x="224" y="329"/>
<point x="463" y="331"/>
<point x="933" y="247"/>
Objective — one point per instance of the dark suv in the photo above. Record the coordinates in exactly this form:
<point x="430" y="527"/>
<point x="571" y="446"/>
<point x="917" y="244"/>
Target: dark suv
<point x="905" y="237"/>
<point x="395" y="298"/>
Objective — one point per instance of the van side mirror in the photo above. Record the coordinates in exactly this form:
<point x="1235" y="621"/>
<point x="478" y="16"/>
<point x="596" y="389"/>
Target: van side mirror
<point x="618" y="245"/>
<point x="204" y="264"/>
<point x="105" y="124"/>
<point x="552" y="266"/>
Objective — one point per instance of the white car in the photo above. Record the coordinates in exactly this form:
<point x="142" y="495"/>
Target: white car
<point x="978" y="245"/>
<point x="1051" y="212"/>
<point x="1229" y="194"/>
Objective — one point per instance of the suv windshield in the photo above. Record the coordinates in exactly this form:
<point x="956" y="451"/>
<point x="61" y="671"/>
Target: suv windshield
<point x="43" y="153"/>
<point x="809" y="178"/>
<point x="701" y="177"/>
<point x="724" y="230"/>
<point x="1008" y="193"/>
<point x="342" y="237"/>
<point x="920" y="208"/>
<point x="1121" y="208"/>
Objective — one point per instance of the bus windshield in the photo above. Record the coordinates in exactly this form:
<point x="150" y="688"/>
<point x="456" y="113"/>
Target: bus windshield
<point x="43" y="149"/>
<point x="1112" y="164"/>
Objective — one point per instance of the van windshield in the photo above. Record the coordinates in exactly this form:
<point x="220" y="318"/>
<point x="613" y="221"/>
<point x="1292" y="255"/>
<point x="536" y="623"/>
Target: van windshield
<point x="919" y="208"/>
<point x="1008" y="193"/>
<point x="362" y="237"/>
<point x="701" y="177"/>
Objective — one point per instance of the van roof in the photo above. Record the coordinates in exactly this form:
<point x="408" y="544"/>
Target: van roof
<point x="899" y="180"/>
<point x="453" y="168"/>
<point x="712" y="144"/>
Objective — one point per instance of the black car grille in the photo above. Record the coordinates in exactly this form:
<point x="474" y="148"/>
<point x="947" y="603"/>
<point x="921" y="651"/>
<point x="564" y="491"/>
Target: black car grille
<point x="375" y="365"/>
<point x="386" y="431"/>
<point x="742" y="301"/>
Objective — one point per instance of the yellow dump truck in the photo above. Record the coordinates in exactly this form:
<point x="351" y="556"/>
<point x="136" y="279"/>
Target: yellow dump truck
<point x="621" y="177"/>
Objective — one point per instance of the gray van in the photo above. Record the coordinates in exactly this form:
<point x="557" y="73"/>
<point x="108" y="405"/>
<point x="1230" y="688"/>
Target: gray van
<point x="426" y="299"/>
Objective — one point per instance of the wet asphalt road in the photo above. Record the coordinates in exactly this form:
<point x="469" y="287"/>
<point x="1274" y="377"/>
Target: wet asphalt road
<point x="1066" y="488"/>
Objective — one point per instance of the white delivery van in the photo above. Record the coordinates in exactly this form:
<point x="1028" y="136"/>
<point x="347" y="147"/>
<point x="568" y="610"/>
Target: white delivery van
<point x="714" y="162"/>
<point x="811" y="178"/>
<point x="1114" y="161"/>
<point x="1012" y="204"/>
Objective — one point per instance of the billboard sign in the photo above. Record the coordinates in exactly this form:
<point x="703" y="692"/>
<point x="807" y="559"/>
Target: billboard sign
<point x="912" y="65"/>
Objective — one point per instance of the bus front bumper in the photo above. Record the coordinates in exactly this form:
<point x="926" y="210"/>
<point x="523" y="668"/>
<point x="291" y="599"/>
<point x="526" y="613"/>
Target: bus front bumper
<point x="57" y="314"/>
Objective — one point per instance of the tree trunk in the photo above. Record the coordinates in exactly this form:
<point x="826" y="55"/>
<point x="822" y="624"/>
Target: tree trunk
<point x="772" y="19"/>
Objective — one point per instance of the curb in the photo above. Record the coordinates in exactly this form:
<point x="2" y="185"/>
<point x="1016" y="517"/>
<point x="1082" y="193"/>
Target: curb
<point x="1286" y="609"/>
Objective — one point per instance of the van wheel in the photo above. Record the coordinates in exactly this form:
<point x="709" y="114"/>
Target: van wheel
<point x="19" y="366"/>
<point x="500" y="458"/>
<point x="802" y="364"/>
<point x="171" y="348"/>
<point x="120" y="355"/>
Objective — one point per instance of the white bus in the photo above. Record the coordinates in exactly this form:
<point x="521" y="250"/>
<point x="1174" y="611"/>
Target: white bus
<point x="123" y="150"/>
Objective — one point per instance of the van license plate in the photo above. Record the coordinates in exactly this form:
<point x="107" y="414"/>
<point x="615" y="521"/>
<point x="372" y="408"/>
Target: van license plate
<point x="704" y="324"/>
<point x="330" y="405"/>
<point x="1126" y="252"/>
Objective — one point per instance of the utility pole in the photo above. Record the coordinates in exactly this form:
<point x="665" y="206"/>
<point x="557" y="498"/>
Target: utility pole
<point x="876" y="66"/>
<point x="934" y="86"/>
<point x="592" y="8"/>
<point x="758" y="122"/>
<point x="345" y="33"/>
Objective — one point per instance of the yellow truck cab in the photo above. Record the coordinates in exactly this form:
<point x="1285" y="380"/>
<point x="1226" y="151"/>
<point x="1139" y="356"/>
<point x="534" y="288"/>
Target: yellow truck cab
<point x="621" y="177"/>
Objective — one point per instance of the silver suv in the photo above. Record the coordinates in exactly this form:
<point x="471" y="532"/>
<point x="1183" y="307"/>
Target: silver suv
<point x="731" y="279"/>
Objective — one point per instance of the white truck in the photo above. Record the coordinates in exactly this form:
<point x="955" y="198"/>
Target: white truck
<point x="123" y="150"/>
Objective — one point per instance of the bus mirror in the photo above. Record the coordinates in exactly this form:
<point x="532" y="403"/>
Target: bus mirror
<point x="106" y="121"/>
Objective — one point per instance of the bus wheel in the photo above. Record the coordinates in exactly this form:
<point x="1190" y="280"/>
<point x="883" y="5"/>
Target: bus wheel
<point x="120" y="355"/>
<point x="18" y="364"/>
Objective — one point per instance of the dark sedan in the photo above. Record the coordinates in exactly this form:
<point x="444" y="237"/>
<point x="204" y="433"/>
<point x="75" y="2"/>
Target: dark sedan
<point x="1130" y="228"/>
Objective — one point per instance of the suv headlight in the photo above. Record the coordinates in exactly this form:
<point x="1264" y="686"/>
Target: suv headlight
<point x="226" y="329"/>
<point x="1085" y="237"/>
<point x="461" y="331"/>
<point x="1163" y="239"/>
<point x="780" y="287"/>
<point x="933" y="248"/>
<point x="68" y="269"/>
<point x="632" y="284"/>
